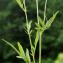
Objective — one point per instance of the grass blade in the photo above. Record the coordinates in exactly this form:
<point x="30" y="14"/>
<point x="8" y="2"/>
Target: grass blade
<point x="22" y="54"/>
<point x="50" y="21"/>
<point x="10" y="45"/>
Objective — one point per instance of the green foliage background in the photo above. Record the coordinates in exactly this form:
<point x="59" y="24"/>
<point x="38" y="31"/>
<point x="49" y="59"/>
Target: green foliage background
<point x="12" y="21"/>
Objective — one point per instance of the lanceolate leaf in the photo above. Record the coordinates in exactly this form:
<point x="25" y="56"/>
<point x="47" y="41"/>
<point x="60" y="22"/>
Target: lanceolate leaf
<point x="36" y="39"/>
<point x="29" y="25"/>
<point x="41" y="21"/>
<point x="20" y="57"/>
<point x="38" y="27"/>
<point x="28" y="60"/>
<point x="50" y="21"/>
<point x="20" y="3"/>
<point x="11" y="45"/>
<point x="22" y="54"/>
<point x="32" y="50"/>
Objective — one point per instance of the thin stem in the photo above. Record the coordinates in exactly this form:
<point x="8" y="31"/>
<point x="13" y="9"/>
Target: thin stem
<point x="37" y="11"/>
<point x="39" y="34"/>
<point x="25" y="12"/>
<point x="27" y="23"/>
<point x="30" y="39"/>
<point x="27" y="26"/>
<point x="31" y="48"/>
<point x="33" y="59"/>
<point x="45" y="10"/>
<point x="40" y="45"/>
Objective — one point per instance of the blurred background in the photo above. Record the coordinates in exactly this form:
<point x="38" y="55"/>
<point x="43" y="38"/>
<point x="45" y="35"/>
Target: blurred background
<point x="12" y="21"/>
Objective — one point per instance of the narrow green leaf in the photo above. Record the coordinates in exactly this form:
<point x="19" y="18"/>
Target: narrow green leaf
<point x="19" y="57"/>
<point x="29" y="25"/>
<point x="36" y="39"/>
<point x="28" y="28"/>
<point x="20" y="3"/>
<point x="31" y="31"/>
<point x="38" y="26"/>
<point x="51" y="20"/>
<point x="11" y="45"/>
<point x="32" y="50"/>
<point x="22" y="54"/>
<point x="28" y="60"/>
<point x="59" y="58"/>
<point x="41" y="21"/>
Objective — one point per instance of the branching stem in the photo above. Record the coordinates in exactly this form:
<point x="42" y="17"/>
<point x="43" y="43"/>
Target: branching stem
<point x="29" y="31"/>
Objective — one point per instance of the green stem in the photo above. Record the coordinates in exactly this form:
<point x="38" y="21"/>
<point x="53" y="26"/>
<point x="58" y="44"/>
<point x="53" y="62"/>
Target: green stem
<point x="37" y="11"/>
<point x="25" y="12"/>
<point x="39" y="34"/>
<point x="40" y="46"/>
<point x="30" y="40"/>
<point x="31" y="48"/>
<point x="45" y="10"/>
<point x="33" y="59"/>
<point x="27" y="21"/>
<point x="27" y="26"/>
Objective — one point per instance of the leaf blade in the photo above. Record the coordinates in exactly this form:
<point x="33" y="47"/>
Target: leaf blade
<point x="36" y="39"/>
<point x="28" y="60"/>
<point x="20" y="3"/>
<point x="41" y="21"/>
<point x="10" y="45"/>
<point x="51" y="20"/>
<point x="22" y="54"/>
